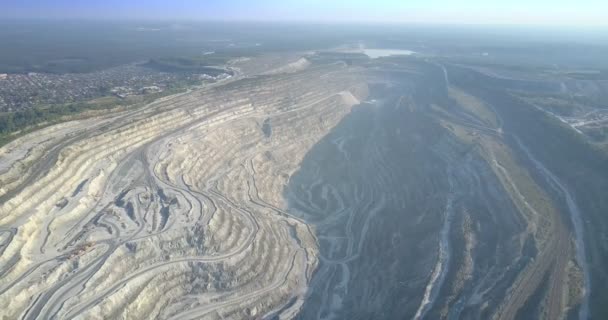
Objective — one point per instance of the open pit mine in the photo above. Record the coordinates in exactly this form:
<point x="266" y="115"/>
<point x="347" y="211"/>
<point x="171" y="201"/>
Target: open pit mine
<point x="323" y="187"/>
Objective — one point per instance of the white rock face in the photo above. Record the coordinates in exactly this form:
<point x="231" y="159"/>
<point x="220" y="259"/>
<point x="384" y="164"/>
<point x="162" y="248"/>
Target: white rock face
<point x="175" y="211"/>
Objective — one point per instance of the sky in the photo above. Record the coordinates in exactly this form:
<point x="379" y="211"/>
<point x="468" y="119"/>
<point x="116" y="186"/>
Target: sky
<point x="529" y="12"/>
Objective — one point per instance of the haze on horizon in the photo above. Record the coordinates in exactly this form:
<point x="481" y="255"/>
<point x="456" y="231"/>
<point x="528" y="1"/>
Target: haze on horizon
<point x="540" y="12"/>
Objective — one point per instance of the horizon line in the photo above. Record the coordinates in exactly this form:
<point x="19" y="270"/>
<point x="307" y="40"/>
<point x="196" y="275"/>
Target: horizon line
<point x="354" y="22"/>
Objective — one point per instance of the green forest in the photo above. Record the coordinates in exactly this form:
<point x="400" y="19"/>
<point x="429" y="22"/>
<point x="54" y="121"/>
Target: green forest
<point x="25" y="121"/>
<point x="12" y="122"/>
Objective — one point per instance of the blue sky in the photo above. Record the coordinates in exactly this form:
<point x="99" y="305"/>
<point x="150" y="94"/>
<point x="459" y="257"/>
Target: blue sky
<point x="543" y="12"/>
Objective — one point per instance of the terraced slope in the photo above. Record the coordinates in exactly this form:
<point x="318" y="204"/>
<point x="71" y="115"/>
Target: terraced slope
<point x="174" y="211"/>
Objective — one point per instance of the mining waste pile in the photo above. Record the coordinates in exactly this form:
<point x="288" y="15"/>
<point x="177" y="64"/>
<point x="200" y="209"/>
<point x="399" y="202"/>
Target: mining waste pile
<point x="320" y="188"/>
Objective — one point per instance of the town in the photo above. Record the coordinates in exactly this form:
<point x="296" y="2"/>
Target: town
<point x="19" y="92"/>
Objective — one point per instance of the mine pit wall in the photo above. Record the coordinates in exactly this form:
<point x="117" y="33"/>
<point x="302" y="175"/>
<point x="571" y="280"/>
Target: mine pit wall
<point x="361" y="183"/>
<point x="182" y="196"/>
<point x="231" y="222"/>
